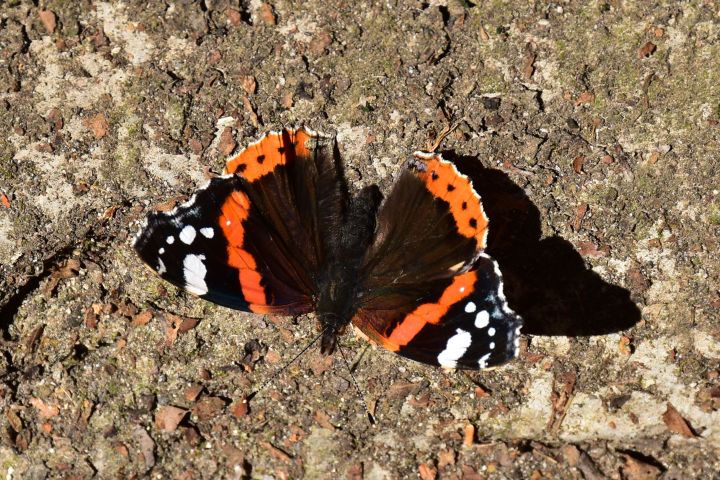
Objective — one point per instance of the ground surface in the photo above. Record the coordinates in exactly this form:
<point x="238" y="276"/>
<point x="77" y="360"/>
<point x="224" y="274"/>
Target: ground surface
<point x="592" y="129"/>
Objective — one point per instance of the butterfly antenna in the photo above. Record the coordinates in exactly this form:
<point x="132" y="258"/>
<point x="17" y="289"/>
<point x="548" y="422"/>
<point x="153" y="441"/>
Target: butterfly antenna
<point x="370" y="416"/>
<point x="286" y="365"/>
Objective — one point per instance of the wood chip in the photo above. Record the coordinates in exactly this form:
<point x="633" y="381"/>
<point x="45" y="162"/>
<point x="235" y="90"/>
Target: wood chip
<point x="267" y="14"/>
<point x="480" y="392"/>
<point x="192" y="392"/>
<point x="142" y="318"/>
<point x="580" y="213"/>
<point x="469" y="436"/>
<point x="446" y="457"/>
<point x="176" y="325"/>
<point x="233" y="16"/>
<point x="122" y="449"/>
<point x="22" y="441"/>
<point x="571" y="454"/>
<point x="647" y="50"/>
<point x="208" y="407"/>
<point x="578" y="164"/>
<point x="240" y="408"/>
<point x="227" y="141"/>
<point x="187" y="324"/>
<point x="320" y="42"/>
<point x="483" y="34"/>
<point x="254" y="119"/>
<point x="625" y="346"/>
<point x="676" y="423"/>
<point x="321" y="364"/>
<point x="587" y="248"/>
<point x="528" y="68"/>
<point x="100" y="39"/>
<point x="196" y="146"/>
<point x="248" y="83"/>
<point x="272" y="357"/>
<point x="561" y="397"/>
<point x="402" y="389"/>
<point x="84" y="414"/>
<point x="168" y="417"/>
<point x="98" y="124"/>
<point x="44" y="410"/>
<point x="276" y="452"/>
<point x="356" y="471"/>
<point x="427" y="472"/>
<point x="14" y="420"/>
<point x="48" y="20"/>
<point x="585" y="98"/>
<point x="323" y="419"/>
<point x="635" y="469"/>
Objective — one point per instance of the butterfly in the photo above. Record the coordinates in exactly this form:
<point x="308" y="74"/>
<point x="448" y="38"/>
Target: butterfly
<point x="280" y="233"/>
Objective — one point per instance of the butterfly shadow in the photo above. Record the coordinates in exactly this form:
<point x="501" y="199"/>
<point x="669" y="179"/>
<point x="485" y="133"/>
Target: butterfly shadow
<point x="546" y="280"/>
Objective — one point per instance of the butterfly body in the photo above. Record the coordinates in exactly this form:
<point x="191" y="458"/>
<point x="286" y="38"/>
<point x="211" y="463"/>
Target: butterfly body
<point x="339" y="285"/>
<point x="280" y="233"/>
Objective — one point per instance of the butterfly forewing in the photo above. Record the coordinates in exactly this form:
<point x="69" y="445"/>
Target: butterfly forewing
<point x="271" y="218"/>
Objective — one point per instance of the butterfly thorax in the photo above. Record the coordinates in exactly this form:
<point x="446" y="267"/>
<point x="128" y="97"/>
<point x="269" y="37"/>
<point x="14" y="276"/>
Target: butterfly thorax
<point x="339" y="283"/>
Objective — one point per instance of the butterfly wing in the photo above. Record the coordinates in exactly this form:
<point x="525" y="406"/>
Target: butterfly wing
<point x="429" y="292"/>
<point x="255" y="238"/>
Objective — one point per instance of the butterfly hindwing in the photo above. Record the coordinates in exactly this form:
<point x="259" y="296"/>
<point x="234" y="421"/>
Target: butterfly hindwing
<point x="261" y="231"/>
<point x="469" y="326"/>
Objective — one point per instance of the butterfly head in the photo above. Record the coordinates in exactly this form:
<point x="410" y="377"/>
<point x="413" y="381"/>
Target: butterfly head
<point x="332" y="325"/>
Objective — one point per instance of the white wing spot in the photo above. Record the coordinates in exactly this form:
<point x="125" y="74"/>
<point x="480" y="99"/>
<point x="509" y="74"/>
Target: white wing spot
<point x="470" y="307"/>
<point x="456" y="347"/>
<point x="161" y="251"/>
<point x="491" y="332"/>
<point x="170" y="240"/>
<point x="482" y="319"/>
<point x="483" y="360"/>
<point x="194" y="271"/>
<point x="207" y="232"/>
<point x="492" y="345"/>
<point x="462" y="289"/>
<point x="227" y="223"/>
<point x="161" y="267"/>
<point x="187" y="235"/>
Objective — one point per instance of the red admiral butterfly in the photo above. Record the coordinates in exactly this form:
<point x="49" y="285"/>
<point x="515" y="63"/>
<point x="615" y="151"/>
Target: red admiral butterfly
<point x="279" y="233"/>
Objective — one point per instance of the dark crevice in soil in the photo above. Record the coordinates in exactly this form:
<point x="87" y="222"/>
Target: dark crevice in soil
<point x="12" y="305"/>
<point x="10" y="308"/>
<point x="648" y="459"/>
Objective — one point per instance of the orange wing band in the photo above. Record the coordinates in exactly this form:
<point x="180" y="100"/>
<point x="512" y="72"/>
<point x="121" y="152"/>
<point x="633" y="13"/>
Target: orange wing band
<point x="446" y="183"/>
<point x="432" y="313"/>
<point x="275" y="148"/>
<point x="234" y="211"/>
